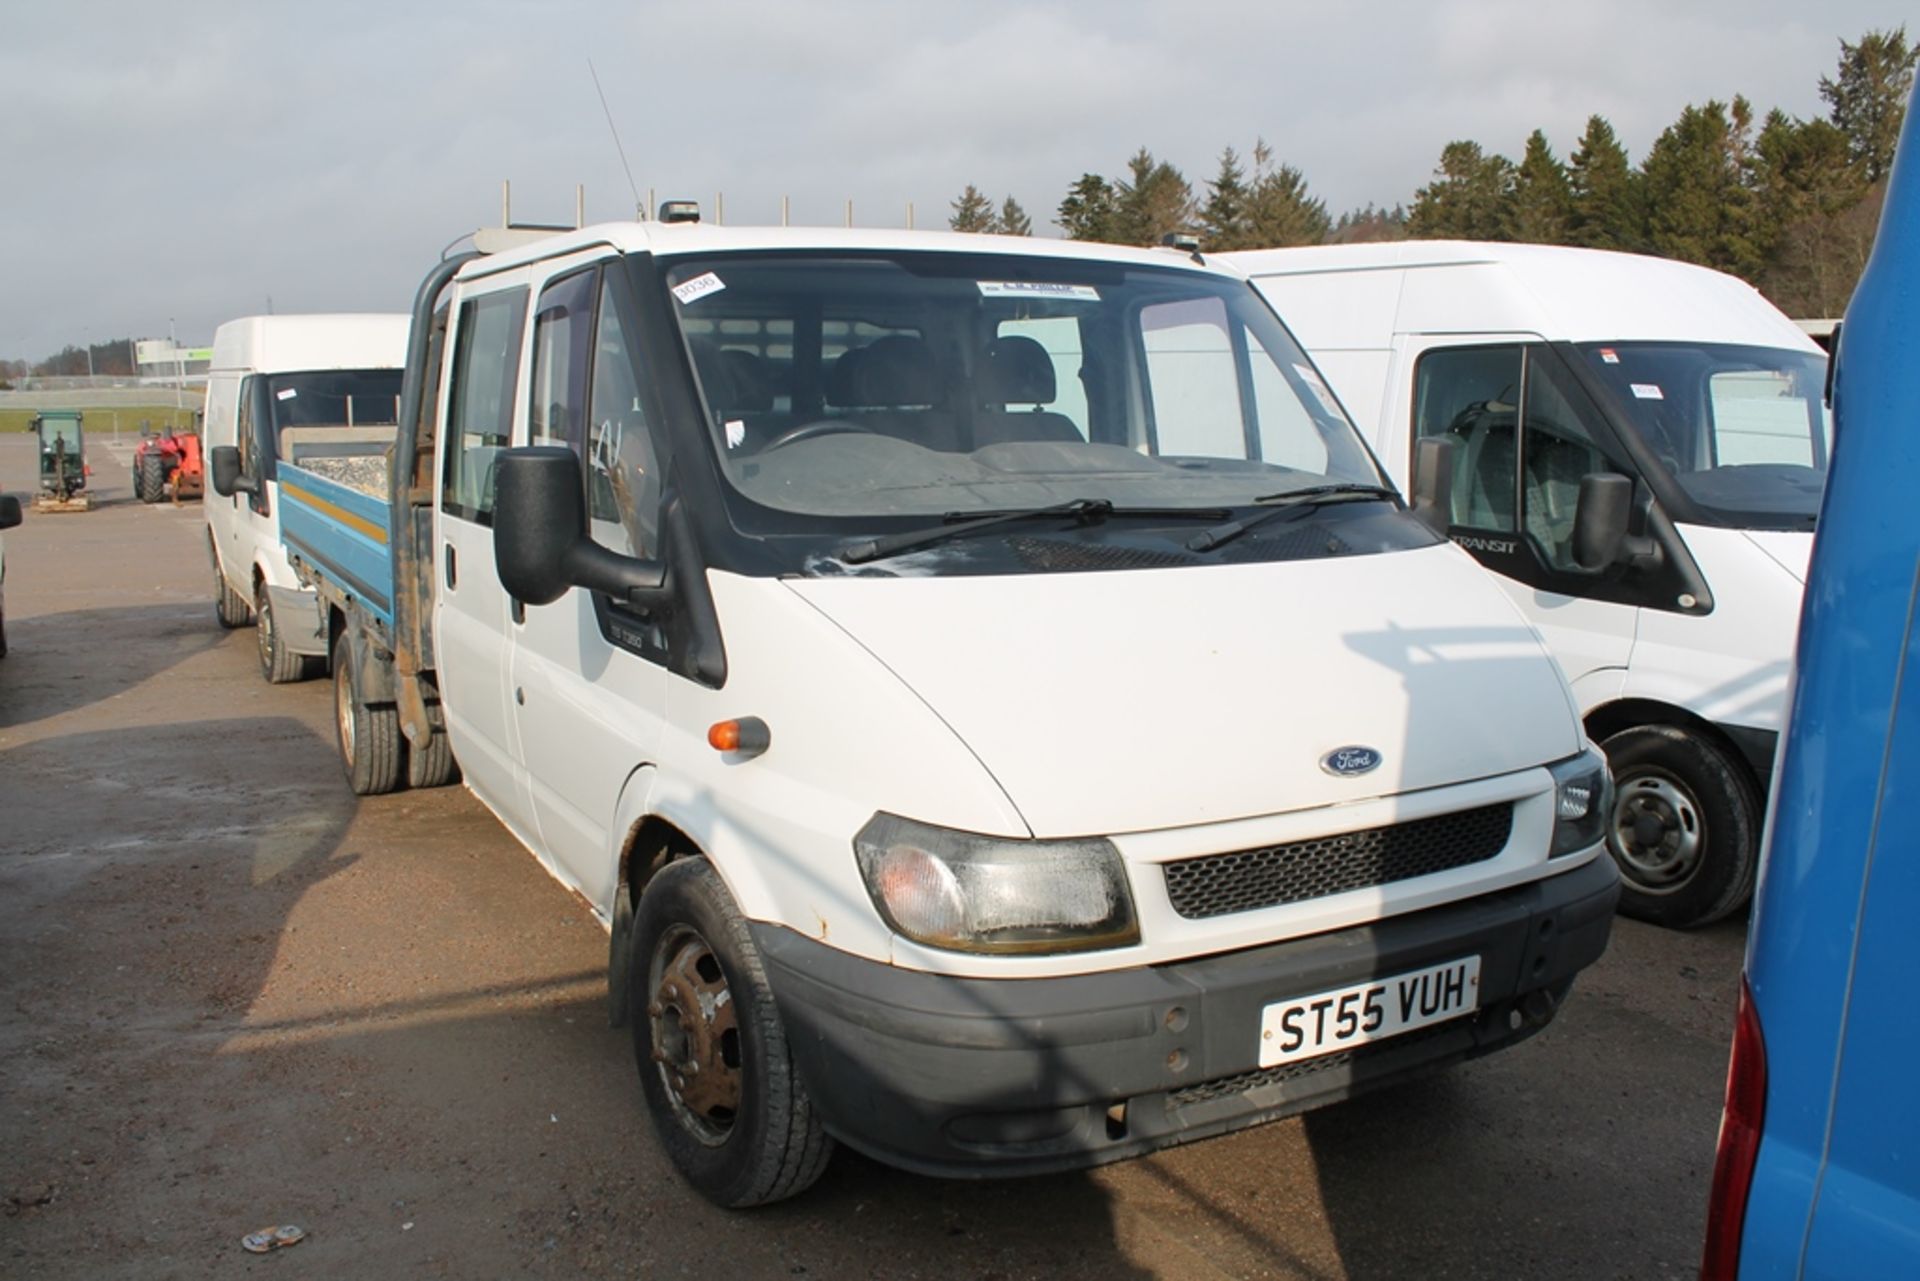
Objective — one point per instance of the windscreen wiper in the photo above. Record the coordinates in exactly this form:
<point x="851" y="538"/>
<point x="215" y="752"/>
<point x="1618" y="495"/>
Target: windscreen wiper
<point x="1083" y="511"/>
<point x="1312" y="496"/>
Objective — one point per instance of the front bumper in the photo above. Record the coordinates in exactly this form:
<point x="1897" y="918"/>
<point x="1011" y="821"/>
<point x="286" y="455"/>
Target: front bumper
<point x="977" y="1077"/>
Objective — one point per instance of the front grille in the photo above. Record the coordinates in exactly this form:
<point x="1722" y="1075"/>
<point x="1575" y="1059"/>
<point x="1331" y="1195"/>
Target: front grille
<point x="1217" y="884"/>
<point x="1264" y="1078"/>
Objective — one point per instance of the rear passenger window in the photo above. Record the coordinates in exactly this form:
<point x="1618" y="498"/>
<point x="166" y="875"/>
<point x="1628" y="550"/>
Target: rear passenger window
<point x="486" y="366"/>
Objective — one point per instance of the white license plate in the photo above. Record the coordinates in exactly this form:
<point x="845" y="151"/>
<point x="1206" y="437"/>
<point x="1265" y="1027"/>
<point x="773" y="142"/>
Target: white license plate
<point x="1345" y="1017"/>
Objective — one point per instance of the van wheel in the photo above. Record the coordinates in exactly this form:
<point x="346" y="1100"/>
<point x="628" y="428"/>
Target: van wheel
<point x="1686" y="826"/>
<point x="714" y="1064"/>
<point x="278" y="664"/>
<point x="229" y="606"/>
<point x="369" y="737"/>
<point x="433" y="765"/>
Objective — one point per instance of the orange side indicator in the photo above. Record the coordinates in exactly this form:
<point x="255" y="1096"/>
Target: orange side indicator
<point x="744" y="736"/>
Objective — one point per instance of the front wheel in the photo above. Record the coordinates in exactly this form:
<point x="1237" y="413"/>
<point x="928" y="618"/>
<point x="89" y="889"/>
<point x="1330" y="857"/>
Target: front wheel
<point x="1685" y="828"/>
<point x="369" y="737"/>
<point x="715" y="1068"/>
<point x="151" y="481"/>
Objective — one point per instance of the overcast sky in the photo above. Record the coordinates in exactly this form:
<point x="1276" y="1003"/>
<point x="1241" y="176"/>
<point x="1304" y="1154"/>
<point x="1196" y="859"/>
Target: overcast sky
<point x="186" y="162"/>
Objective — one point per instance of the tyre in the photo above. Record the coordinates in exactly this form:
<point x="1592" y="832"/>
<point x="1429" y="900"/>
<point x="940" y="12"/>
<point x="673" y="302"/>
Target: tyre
<point x="715" y="1067"/>
<point x="229" y="606"/>
<point x="150" y="482"/>
<point x="433" y="766"/>
<point x="369" y="737"/>
<point x="280" y="665"/>
<point x="1685" y="830"/>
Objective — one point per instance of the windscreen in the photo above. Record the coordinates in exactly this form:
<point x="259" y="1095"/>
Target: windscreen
<point x="879" y="385"/>
<point x="335" y="398"/>
<point x="1743" y="430"/>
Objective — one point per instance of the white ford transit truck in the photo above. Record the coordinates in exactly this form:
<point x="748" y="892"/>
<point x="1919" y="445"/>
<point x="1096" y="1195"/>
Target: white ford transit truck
<point x="995" y="700"/>
<point x="1701" y="405"/>
<point x="289" y="387"/>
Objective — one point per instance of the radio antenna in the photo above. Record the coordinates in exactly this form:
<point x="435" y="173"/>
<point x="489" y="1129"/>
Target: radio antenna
<point x="616" y="138"/>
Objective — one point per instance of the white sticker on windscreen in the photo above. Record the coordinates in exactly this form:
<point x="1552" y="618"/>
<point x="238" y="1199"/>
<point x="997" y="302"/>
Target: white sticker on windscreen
<point x="736" y="432"/>
<point x="699" y="287"/>
<point x="1037" y="289"/>
<point x="1647" y="391"/>
<point x="286" y="393"/>
<point x="1324" y="394"/>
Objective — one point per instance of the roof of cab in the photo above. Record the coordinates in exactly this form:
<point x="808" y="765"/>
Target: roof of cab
<point x="699" y="238"/>
<point x="340" y="340"/>
<point x="1559" y="292"/>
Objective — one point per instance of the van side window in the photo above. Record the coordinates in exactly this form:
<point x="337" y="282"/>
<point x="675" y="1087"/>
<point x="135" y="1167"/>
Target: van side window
<point x="623" y="467"/>
<point x="486" y="365"/>
<point x="562" y="333"/>
<point x="1556" y="450"/>
<point x="1471" y="395"/>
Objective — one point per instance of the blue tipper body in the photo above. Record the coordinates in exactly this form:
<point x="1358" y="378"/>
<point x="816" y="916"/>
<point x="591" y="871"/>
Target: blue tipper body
<point x="1834" y="950"/>
<point x="341" y="533"/>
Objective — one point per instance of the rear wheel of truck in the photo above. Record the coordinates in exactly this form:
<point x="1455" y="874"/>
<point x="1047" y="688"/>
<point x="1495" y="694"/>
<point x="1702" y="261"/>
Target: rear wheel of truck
<point x="278" y="664"/>
<point x="433" y="765"/>
<point x="229" y="606"/>
<point x="370" y="740"/>
<point x="151" y="481"/>
<point x="1685" y="829"/>
<point x="715" y="1068"/>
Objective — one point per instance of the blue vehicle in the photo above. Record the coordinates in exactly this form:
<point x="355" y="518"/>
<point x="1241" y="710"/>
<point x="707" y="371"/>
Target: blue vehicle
<point x="1818" y="1172"/>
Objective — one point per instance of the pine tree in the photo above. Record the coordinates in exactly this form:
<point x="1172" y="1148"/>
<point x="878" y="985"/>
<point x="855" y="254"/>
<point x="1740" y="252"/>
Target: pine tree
<point x="1698" y="206"/>
<point x="1279" y="210"/>
<point x="1606" y="209"/>
<point x="1360" y="226"/>
<point x="1224" y="217"/>
<point x="1869" y="96"/>
<point x="1542" y="198"/>
<point x="1090" y="210"/>
<point x="1812" y="192"/>
<point x="972" y="211"/>
<point x="1013" y="220"/>
<point x="1470" y="196"/>
<point x="1154" y="200"/>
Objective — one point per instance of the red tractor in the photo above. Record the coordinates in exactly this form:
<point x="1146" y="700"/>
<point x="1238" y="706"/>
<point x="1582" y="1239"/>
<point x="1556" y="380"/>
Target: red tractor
<point x="168" y="465"/>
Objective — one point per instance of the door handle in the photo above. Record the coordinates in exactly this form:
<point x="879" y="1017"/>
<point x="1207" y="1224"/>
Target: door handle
<point x="452" y="573"/>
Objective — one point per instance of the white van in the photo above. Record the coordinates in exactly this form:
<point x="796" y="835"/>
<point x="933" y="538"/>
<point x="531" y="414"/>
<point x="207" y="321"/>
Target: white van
<point x="1706" y="399"/>
<point x="289" y="387"/>
<point x="984" y="683"/>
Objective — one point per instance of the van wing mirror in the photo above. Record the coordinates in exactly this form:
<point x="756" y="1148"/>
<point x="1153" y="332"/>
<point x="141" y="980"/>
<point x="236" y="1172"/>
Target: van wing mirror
<point x="227" y="480"/>
<point x="10" y="514"/>
<point x="1433" y="483"/>
<point x="1601" y="518"/>
<point x="540" y="542"/>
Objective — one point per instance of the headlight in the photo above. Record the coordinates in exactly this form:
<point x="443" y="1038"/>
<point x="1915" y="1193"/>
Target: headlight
<point x="969" y="893"/>
<point x="1582" y="800"/>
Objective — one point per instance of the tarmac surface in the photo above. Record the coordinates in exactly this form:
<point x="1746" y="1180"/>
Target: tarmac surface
<point x="236" y="996"/>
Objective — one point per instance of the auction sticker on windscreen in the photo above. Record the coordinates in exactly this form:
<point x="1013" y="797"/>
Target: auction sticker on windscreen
<point x="1326" y="1022"/>
<point x="1038" y="289"/>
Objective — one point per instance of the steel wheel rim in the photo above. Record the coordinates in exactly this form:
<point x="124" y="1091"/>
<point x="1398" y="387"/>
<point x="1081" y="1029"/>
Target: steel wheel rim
<point x="263" y="630"/>
<point x="1658" y="832"/>
<point x="695" y="1035"/>
<point x="343" y="712"/>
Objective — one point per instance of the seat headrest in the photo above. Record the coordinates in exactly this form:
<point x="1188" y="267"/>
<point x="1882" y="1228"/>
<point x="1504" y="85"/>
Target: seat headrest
<point x="1016" y="371"/>
<point x="885" y="374"/>
<point x="750" y="386"/>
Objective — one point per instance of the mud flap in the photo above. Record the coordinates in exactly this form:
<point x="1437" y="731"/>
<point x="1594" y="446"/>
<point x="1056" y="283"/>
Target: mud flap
<point x="298" y="621"/>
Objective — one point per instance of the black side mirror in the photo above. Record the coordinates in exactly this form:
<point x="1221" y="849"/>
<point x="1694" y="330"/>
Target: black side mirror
<point x="1601" y="517"/>
<point x="227" y="480"/>
<point x="1433" y="484"/>
<point x="10" y="514"/>
<point x="540" y="543"/>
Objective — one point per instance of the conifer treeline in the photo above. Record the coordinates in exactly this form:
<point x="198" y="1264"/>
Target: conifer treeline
<point x="1788" y="204"/>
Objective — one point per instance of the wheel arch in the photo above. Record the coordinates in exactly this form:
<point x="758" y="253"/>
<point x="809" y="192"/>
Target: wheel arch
<point x="650" y="843"/>
<point x="1608" y="719"/>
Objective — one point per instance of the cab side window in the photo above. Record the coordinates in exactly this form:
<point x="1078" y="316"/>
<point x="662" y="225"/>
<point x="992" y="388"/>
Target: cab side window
<point x="622" y="463"/>
<point x="1523" y="439"/>
<point x="562" y="343"/>
<point x="486" y="367"/>
<point x="1471" y="395"/>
